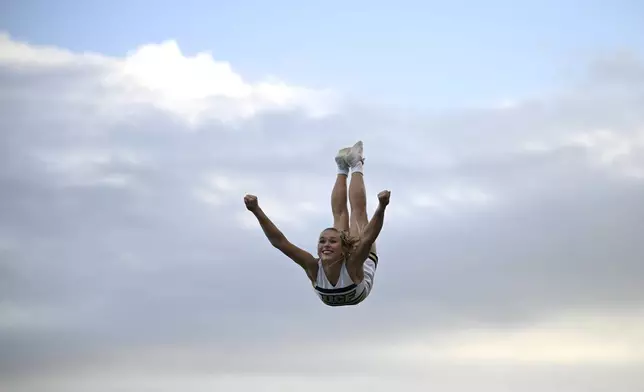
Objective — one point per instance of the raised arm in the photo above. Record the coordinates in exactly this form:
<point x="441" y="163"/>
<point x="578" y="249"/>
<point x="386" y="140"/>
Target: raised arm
<point x="303" y="258"/>
<point x="371" y="231"/>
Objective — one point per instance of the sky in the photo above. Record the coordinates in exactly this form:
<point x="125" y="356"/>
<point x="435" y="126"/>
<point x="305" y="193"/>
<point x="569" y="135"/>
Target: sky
<point x="432" y="54"/>
<point x="511" y="138"/>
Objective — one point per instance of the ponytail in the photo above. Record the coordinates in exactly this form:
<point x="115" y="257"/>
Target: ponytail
<point x="348" y="242"/>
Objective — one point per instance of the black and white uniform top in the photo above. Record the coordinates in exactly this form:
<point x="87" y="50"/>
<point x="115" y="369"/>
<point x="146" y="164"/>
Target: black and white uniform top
<point x="346" y="292"/>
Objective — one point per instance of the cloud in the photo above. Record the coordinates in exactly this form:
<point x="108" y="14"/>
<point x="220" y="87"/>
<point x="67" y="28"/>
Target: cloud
<point x="126" y="255"/>
<point x="195" y="88"/>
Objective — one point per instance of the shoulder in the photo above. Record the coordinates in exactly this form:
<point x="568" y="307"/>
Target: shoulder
<point x="312" y="269"/>
<point x="360" y="254"/>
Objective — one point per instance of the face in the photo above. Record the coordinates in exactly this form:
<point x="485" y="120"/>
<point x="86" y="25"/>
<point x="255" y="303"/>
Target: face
<point x="329" y="245"/>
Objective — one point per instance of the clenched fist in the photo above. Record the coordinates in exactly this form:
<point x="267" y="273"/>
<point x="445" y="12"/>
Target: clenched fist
<point x="383" y="197"/>
<point x="251" y="202"/>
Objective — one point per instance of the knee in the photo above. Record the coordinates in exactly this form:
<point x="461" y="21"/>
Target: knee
<point x="341" y="214"/>
<point x="359" y="214"/>
<point x="339" y="207"/>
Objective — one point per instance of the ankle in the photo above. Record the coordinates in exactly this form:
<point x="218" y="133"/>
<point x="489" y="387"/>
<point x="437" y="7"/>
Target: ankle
<point x="357" y="168"/>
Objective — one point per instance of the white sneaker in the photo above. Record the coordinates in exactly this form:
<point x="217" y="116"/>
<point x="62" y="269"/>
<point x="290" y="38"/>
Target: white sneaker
<point x="354" y="156"/>
<point x="341" y="159"/>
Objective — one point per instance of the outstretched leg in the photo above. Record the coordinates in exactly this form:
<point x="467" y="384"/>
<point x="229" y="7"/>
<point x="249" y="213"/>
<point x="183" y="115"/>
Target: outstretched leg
<point x="358" y="201"/>
<point x="357" y="192"/>
<point x="339" y="193"/>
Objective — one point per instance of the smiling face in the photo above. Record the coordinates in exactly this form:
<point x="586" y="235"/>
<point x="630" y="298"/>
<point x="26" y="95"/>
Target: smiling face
<point x="330" y="245"/>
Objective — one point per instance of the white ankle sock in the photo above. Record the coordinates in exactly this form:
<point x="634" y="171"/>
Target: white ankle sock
<point x="343" y="170"/>
<point x="357" y="168"/>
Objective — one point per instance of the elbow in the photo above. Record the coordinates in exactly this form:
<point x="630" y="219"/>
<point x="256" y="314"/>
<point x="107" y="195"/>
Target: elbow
<point x="277" y="241"/>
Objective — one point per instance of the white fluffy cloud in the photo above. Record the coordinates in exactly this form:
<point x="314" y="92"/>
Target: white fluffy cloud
<point x="193" y="87"/>
<point x="510" y="252"/>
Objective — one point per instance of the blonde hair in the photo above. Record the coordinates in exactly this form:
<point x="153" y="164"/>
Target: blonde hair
<point x="348" y="242"/>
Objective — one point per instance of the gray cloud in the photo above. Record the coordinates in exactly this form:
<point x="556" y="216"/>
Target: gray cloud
<point x="108" y="244"/>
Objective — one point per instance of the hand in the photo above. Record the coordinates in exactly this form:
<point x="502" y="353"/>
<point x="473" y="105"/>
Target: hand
<point x="383" y="197"/>
<point x="251" y="202"/>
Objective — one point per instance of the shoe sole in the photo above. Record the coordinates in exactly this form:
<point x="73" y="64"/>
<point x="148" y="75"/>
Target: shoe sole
<point x="341" y="157"/>
<point x="343" y="152"/>
<point x="359" y="146"/>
